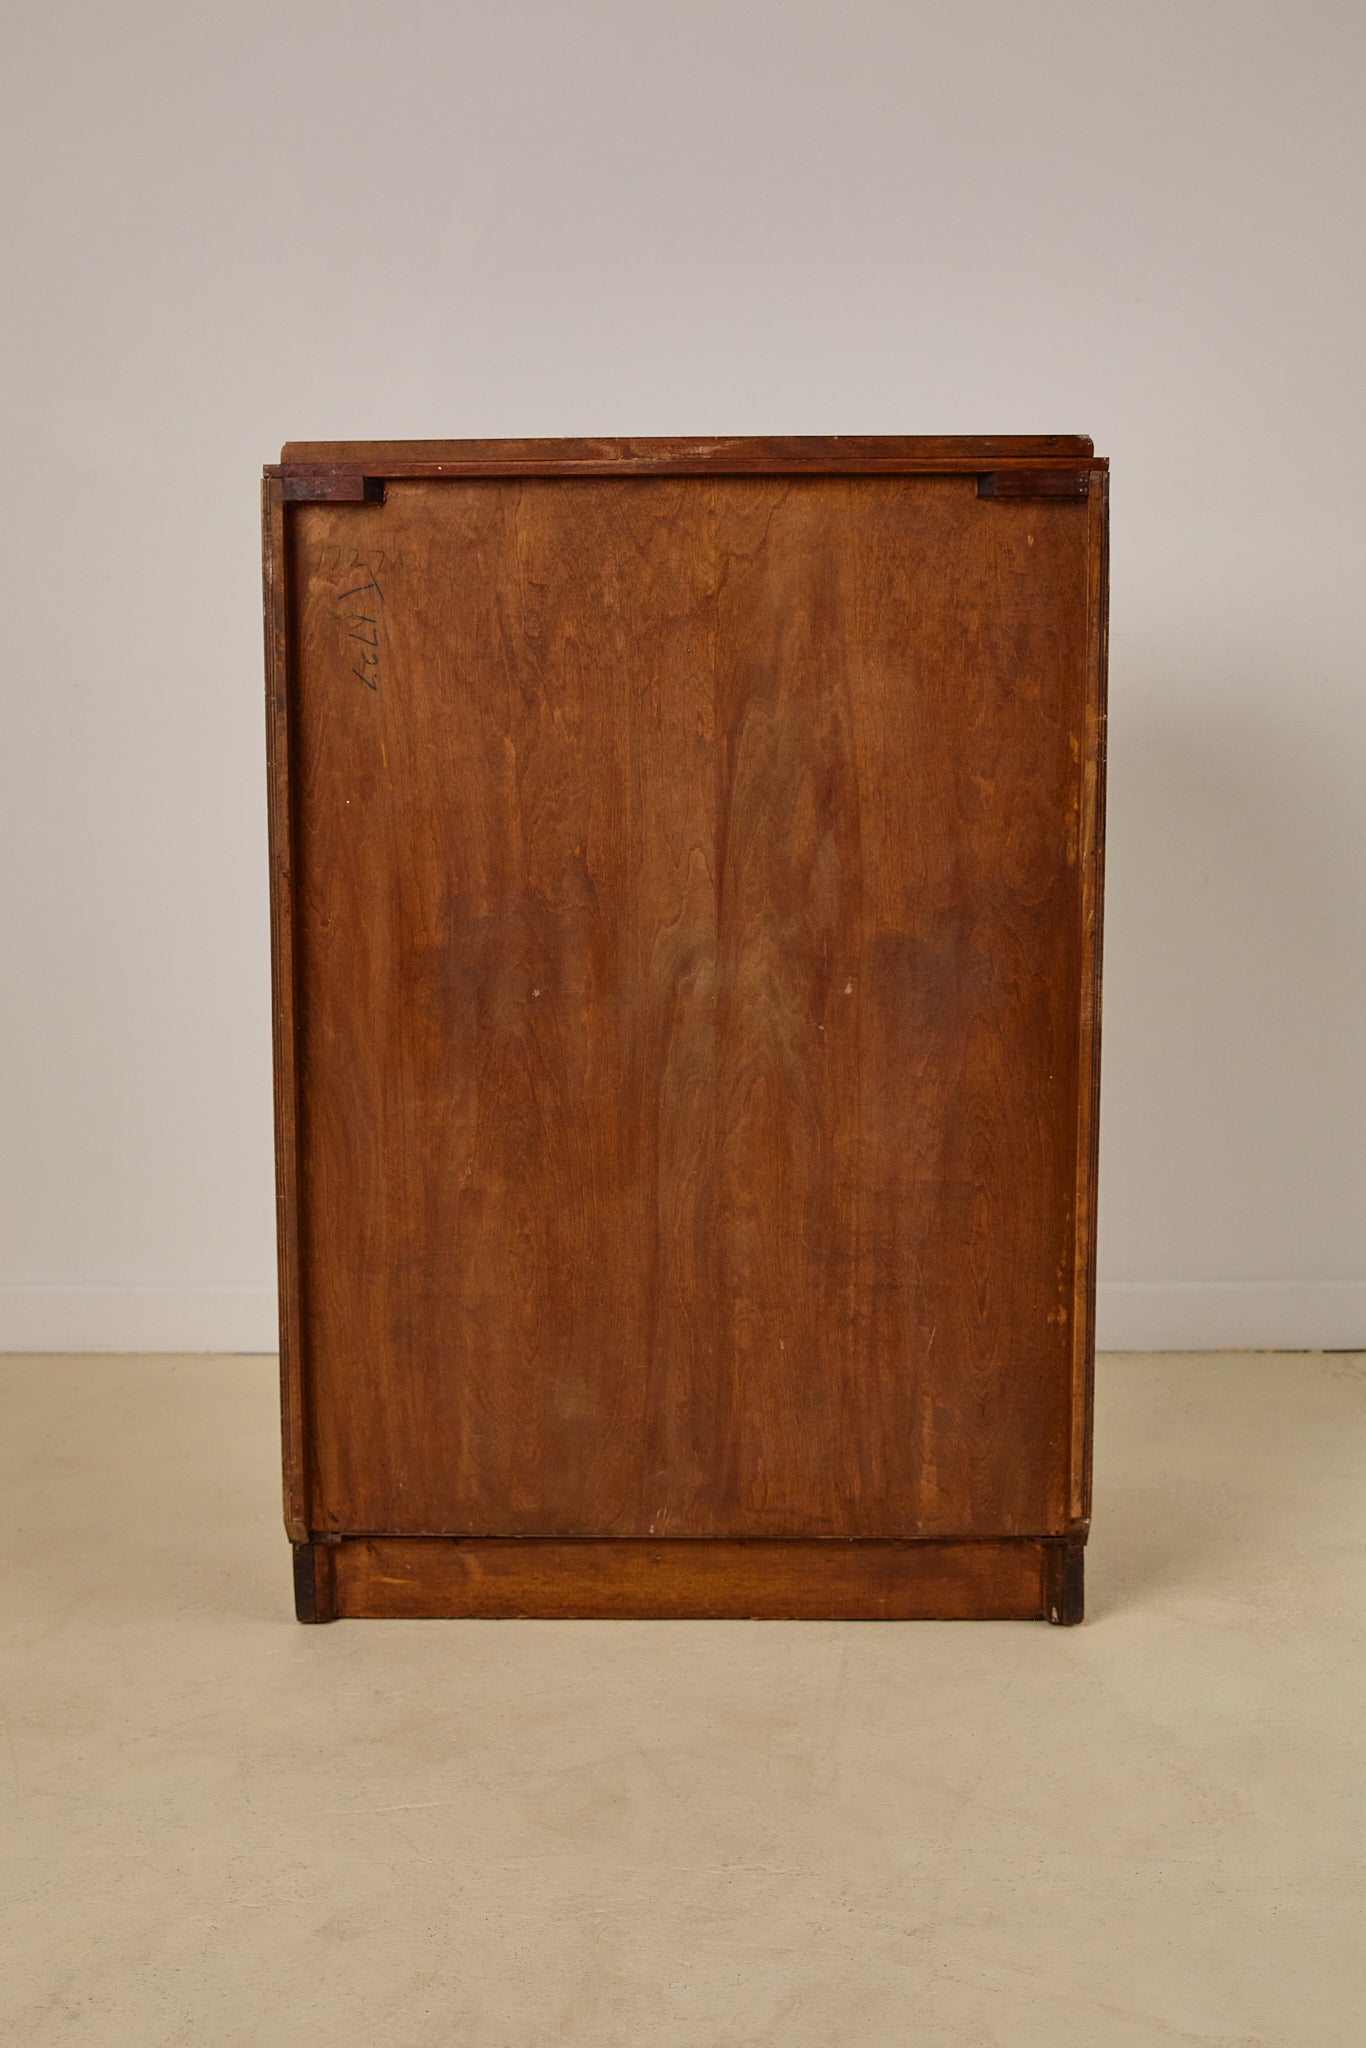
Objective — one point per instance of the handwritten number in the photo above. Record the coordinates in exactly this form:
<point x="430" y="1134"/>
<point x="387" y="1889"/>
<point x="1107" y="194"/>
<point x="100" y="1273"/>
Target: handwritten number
<point x="362" y="627"/>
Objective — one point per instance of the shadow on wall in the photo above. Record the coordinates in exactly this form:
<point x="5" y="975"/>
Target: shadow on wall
<point x="1234" y="1087"/>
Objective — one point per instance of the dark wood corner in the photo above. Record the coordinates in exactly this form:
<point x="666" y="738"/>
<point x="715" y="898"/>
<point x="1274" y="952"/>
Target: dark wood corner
<point x="324" y="484"/>
<point x="1035" y="483"/>
<point x="1064" y="1583"/>
<point x="315" y="1597"/>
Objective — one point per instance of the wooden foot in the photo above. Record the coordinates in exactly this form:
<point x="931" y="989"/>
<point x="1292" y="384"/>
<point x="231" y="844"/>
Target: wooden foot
<point x="315" y="1596"/>
<point x="1064" y="1583"/>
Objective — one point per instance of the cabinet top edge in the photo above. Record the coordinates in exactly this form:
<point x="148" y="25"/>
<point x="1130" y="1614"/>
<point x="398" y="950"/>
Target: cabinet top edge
<point x="831" y="453"/>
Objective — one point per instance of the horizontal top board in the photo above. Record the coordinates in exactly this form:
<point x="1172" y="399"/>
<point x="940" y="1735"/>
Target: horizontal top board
<point x="734" y="455"/>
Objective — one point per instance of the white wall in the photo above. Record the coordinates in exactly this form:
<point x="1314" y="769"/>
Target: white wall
<point x="236" y="223"/>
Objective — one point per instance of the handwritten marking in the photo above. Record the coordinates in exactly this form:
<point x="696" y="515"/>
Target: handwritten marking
<point x="364" y="629"/>
<point x="329" y="560"/>
<point x="362" y="591"/>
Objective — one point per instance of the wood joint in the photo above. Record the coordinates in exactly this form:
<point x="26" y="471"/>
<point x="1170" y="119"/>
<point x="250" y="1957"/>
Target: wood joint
<point x="1034" y="483"/>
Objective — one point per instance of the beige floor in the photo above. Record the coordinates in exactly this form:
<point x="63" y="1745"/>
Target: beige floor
<point x="223" y="1829"/>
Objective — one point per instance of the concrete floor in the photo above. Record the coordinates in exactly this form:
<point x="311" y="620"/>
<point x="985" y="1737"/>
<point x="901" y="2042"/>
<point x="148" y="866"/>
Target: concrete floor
<point x="224" y="1830"/>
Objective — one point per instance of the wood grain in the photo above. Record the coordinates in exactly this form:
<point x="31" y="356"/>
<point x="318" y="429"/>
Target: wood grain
<point x="306" y="463"/>
<point x="278" y="786"/>
<point x="406" y="1579"/>
<point x="695" y="914"/>
<point x="1091" y="907"/>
